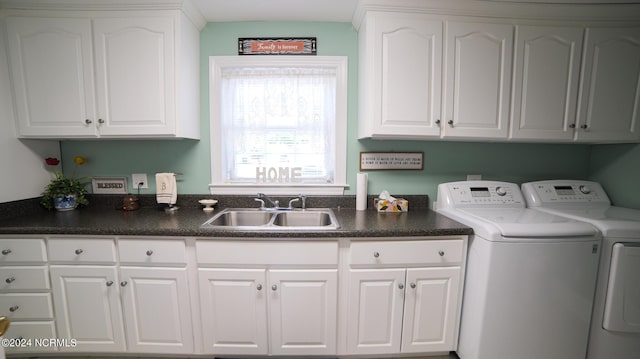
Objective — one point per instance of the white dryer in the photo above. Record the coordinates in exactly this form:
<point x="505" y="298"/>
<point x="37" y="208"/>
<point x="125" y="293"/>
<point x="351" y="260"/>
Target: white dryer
<point x="530" y="276"/>
<point x="615" y="328"/>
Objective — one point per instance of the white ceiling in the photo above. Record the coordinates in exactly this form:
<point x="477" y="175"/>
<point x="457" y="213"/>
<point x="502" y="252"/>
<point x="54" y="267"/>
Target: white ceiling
<point x="277" y="10"/>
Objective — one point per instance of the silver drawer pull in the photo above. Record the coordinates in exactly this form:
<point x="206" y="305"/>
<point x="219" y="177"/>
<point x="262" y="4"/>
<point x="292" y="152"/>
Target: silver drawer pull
<point x="274" y="287"/>
<point x="109" y="283"/>
<point x="400" y="286"/>
<point x="14" y="308"/>
<point x="441" y="253"/>
<point x="123" y="283"/>
<point x="376" y="254"/>
<point x="6" y="251"/>
<point x="10" y="280"/>
<point x="79" y="251"/>
<point x="259" y="287"/>
<point x="149" y="252"/>
<point x="412" y="285"/>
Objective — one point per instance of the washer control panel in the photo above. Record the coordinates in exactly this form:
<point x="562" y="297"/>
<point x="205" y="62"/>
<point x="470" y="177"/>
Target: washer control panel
<point x="549" y="192"/>
<point x="482" y="194"/>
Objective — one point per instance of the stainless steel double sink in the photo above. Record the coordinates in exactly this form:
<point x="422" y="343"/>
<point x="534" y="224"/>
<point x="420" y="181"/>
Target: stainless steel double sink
<point x="256" y="219"/>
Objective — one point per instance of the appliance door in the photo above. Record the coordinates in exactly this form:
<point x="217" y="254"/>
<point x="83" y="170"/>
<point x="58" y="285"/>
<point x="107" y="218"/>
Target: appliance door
<point x="528" y="300"/>
<point x="622" y="307"/>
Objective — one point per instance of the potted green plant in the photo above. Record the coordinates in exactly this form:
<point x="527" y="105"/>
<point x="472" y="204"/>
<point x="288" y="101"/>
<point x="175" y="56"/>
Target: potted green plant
<point x="64" y="193"/>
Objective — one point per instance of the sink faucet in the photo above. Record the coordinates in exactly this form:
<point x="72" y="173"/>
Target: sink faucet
<point x="301" y="198"/>
<point x="263" y="197"/>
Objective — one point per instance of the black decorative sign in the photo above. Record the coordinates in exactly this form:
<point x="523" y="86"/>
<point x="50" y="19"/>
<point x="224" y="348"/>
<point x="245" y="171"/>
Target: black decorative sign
<point x="277" y="46"/>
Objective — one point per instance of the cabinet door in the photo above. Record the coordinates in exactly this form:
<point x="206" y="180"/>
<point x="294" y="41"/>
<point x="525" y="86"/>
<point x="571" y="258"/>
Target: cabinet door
<point x="547" y="69"/>
<point x="406" y="63"/>
<point x="303" y="308"/>
<point x="87" y="308"/>
<point x="233" y="306"/>
<point x="610" y="97"/>
<point x="478" y="80"/>
<point x="157" y="310"/>
<point x="376" y="299"/>
<point x="431" y="312"/>
<point x="52" y="72"/>
<point x="135" y="76"/>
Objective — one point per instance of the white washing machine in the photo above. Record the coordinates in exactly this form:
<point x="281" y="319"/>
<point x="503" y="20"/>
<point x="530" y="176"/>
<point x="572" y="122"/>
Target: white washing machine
<point x="530" y="277"/>
<point x="615" y="328"/>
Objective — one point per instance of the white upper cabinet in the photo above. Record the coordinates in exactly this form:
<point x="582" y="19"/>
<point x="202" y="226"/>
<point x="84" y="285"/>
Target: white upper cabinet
<point x="610" y="98"/>
<point x="498" y="71"/>
<point x="478" y="82"/>
<point x="400" y="69"/>
<point x="142" y="64"/>
<point x="52" y="73"/>
<point x="547" y="70"/>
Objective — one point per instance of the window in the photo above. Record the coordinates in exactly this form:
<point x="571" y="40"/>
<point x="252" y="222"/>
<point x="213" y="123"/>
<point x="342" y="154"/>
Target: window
<point x="278" y="124"/>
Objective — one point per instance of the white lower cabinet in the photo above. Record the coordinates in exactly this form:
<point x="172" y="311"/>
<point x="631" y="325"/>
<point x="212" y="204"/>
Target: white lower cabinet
<point x="136" y="309"/>
<point x="411" y="307"/>
<point x="262" y="298"/>
<point x="87" y="307"/>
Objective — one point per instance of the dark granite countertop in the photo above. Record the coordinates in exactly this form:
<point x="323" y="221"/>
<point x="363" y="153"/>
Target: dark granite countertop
<point x="152" y="220"/>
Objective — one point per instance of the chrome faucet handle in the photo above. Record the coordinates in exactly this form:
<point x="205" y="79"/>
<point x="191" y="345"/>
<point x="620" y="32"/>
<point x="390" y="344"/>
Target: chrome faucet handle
<point x="292" y="201"/>
<point x="303" y="198"/>
<point x="261" y="202"/>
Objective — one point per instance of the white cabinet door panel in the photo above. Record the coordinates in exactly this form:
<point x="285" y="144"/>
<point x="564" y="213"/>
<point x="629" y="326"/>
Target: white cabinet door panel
<point x="157" y="310"/>
<point x="87" y="307"/>
<point x="303" y="308"/>
<point x="135" y="75"/>
<point x="52" y="70"/>
<point x="610" y="100"/>
<point x="375" y="311"/>
<point x="478" y="80"/>
<point x="234" y="311"/>
<point x="547" y="70"/>
<point x="430" y="313"/>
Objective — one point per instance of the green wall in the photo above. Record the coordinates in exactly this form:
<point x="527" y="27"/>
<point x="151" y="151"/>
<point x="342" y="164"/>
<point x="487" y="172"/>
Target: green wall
<point x="617" y="168"/>
<point x="444" y="161"/>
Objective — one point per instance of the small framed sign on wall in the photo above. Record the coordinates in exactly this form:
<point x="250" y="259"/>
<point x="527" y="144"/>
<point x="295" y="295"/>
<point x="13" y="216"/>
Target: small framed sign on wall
<point x="277" y="46"/>
<point x="373" y="161"/>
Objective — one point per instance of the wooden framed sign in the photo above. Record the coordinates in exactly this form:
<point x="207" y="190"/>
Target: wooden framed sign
<point x="277" y="46"/>
<point x="373" y="161"/>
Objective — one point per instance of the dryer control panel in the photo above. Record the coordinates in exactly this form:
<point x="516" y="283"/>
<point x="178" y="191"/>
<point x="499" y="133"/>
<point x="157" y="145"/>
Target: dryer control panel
<point x="564" y="192"/>
<point x="480" y="194"/>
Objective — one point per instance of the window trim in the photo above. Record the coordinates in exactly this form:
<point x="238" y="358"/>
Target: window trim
<point x="217" y="185"/>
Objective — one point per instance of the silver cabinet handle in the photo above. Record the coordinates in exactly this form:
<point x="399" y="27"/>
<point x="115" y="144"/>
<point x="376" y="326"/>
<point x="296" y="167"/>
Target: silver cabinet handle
<point x="123" y="283"/>
<point x="259" y="287"/>
<point x="6" y="251"/>
<point x="441" y="253"/>
<point x="14" y="308"/>
<point x="438" y="122"/>
<point x="149" y="252"/>
<point x="274" y="287"/>
<point x="450" y="122"/>
<point x="109" y="283"/>
<point x="88" y="121"/>
<point x="584" y="127"/>
<point x="376" y="254"/>
<point x="100" y="121"/>
<point x="79" y="251"/>
<point x="400" y="286"/>
<point x="573" y="125"/>
<point x="10" y="280"/>
<point x="412" y="285"/>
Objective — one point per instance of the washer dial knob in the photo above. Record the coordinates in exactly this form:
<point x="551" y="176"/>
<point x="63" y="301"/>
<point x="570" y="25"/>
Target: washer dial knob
<point x="501" y="191"/>
<point x="584" y="189"/>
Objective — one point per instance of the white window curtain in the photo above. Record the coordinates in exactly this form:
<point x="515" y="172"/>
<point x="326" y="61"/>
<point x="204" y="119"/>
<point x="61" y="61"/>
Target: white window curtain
<point x="278" y="124"/>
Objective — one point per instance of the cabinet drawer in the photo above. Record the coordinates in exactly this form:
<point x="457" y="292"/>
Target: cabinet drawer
<point x="22" y="250"/>
<point x="267" y="253"/>
<point x="20" y="278"/>
<point x="435" y="252"/>
<point x="145" y="252"/>
<point x="31" y="330"/>
<point x="82" y="251"/>
<point x="20" y="306"/>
